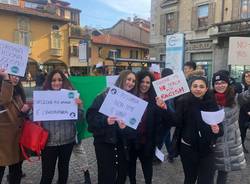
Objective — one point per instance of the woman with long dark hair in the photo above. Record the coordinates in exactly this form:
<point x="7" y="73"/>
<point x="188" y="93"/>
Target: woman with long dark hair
<point x="12" y="108"/>
<point x="228" y="151"/>
<point x="197" y="137"/>
<point x="110" y="135"/>
<point x="61" y="135"/>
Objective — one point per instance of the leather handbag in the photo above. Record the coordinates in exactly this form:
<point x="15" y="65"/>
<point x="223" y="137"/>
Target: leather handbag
<point x="33" y="138"/>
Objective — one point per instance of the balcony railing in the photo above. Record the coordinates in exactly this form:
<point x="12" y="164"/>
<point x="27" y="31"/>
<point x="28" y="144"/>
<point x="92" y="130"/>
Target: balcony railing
<point x="232" y="27"/>
<point x="76" y="31"/>
<point x="56" y="52"/>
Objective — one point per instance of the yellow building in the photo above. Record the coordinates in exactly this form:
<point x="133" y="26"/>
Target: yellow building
<point x="43" y="27"/>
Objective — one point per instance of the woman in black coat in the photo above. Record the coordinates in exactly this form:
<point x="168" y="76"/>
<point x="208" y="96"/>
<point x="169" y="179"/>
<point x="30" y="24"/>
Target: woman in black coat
<point x="197" y="137"/>
<point x="110" y="136"/>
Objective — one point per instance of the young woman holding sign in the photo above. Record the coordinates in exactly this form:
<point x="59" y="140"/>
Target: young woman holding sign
<point x="12" y="109"/>
<point x="197" y="137"/>
<point x="61" y="135"/>
<point x="111" y="135"/>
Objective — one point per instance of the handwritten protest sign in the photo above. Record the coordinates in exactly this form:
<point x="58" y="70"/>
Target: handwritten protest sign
<point x="124" y="106"/>
<point x="13" y="57"/>
<point x="213" y="118"/>
<point x="239" y="51"/>
<point x="171" y="86"/>
<point x="54" y="105"/>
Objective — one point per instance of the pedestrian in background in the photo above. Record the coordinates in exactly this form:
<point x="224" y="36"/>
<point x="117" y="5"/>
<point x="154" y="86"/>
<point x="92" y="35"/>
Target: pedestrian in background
<point x="244" y="117"/>
<point x="197" y="137"/>
<point x="111" y="135"/>
<point x="12" y="110"/>
<point x="228" y="151"/>
<point x="61" y="135"/>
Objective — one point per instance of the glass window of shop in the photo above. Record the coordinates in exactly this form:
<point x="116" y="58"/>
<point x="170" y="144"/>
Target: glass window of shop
<point x="237" y="70"/>
<point x="204" y="62"/>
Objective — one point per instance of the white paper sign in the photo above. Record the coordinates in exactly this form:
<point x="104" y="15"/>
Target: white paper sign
<point x="239" y="51"/>
<point x="213" y="118"/>
<point x="159" y="154"/>
<point x="171" y="86"/>
<point x="55" y="105"/>
<point x="123" y="105"/>
<point x="13" y="57"/>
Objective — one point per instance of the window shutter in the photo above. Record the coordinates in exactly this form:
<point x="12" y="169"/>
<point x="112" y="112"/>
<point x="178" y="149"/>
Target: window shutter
<point x="16" y="37"/>
<point x="176" y="19"/>
<point x="194" y="22"/>
<point x="211" y="15"/>
<point x="163" y="24"/>
<point x="236" y="10"/>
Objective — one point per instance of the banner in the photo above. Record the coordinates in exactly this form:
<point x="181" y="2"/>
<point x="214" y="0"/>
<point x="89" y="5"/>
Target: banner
<point x="89" y="87"/>
<point x="171" y="86"/>
<point x="123" y="105"/>
<point x="13" y="58"/>
<point x="239" y="51"/>
<point x="55" y="105"/>
<point x="174" y="52"/>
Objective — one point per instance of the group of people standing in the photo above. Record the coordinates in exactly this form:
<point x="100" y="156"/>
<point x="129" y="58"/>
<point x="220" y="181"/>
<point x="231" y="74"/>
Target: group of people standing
<point x="203" y="149"/>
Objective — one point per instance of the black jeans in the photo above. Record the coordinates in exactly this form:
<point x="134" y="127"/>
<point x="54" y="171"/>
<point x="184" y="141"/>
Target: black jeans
<point x="111" y="162"/>
<point x="49" y="157"/>
<point x="222" y="177"/>
<point x="197" y="168"/>
<point x="146" y="163"/>
<point x="15" y="173"/>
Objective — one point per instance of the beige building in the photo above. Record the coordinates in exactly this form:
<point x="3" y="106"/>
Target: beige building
<point x="207" y="25"/>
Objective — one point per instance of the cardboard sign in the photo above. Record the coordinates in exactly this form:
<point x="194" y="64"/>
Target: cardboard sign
<point x="171" y="86"/>
<point x="13" y="58"/>
<point x="55" y="105"/>
<point x="123" y="105"/>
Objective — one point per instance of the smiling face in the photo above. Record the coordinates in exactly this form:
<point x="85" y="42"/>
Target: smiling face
<point x="220" y="86"/>
<point x="56" y="82"/>
<point x="145" y="85"/>
<point x="14" y="79"/>
<point x="247" y="78"/>
<point x="199" y="88"/>
<point x="129" y="82"/>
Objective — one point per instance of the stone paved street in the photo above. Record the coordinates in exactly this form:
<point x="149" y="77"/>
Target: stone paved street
<point x="164" y="173"/>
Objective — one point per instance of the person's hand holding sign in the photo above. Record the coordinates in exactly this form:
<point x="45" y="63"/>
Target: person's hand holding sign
<point x="160" y="103"/>
<point x="111" y="120"/>
<point x="121" y="124"/>
<point x="78" y="102"/>
<point x="215" y="129"/>
<point x="4" y="74"/>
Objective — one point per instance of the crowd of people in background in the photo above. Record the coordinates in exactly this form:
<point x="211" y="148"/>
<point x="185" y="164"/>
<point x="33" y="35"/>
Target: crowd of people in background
<point x="204" y="149"/>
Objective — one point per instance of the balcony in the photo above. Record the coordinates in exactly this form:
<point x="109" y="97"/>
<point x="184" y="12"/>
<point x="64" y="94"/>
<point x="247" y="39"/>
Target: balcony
<point x="230" y="28"/>
<point x="76" y="31"/>
<point x="56" y="52"/>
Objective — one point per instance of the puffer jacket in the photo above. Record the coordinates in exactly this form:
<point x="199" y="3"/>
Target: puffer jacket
<point x="229" y="155"/>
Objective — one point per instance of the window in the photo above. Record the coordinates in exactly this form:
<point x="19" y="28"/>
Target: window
<point x="117" y="53"/>
<point x="74" y="51"/>
<point x="31" y="5"/>
<point x="202" y="14"/>
<point x="134" y="54"/>
<point x="245" y="9"/>
<point x="55" y="37"/>
<point x="62" y="13"/>
<point x="22" y="34"/>
<point x="168" y="23"/>
<point x="13" y="2"/>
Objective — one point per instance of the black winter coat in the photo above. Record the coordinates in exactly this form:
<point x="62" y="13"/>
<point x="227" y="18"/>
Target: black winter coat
<point x="194" y="130"/>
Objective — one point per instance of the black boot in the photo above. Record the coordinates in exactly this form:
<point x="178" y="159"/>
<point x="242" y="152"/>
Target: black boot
<point x="87" y="177"/>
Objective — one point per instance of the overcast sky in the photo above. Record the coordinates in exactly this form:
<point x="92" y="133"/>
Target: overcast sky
<point x="105" y="13"/>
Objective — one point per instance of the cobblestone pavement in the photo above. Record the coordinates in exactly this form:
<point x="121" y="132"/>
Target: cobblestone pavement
<point x="164" y="173"/>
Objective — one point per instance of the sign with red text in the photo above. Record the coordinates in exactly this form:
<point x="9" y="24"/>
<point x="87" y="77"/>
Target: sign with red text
<point x="239" y="51"/>
<point x="171" y="86"/>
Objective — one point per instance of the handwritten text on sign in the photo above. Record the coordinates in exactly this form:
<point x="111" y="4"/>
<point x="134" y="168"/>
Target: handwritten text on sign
<point x="123" y="105"/>
<point x="54" y="105"/>
<point x="171" y="86"/>
<point x="239" y="51"/>
<point x="13" y="57"/>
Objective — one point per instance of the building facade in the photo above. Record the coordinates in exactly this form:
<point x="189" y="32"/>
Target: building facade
<point x="206" y="24"/>
<point x="41" y="25"/>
